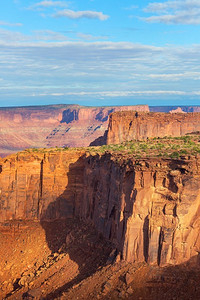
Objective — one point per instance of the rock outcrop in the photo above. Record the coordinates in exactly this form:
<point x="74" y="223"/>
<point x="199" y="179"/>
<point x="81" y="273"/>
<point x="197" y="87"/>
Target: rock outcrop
<point x="149" y="208"/>
<point x="126" y="126"/>
<point x="54" y="125"/>
<point x="181" y="108"/>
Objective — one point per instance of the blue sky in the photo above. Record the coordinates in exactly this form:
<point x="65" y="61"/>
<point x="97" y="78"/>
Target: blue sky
<point x="96" y="52"/>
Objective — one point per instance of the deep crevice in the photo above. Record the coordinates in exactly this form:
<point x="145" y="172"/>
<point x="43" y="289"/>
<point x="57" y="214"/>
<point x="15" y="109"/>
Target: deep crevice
<point x="40" y="187"/>
<point x="160" y="244"/>
<point x="146" y="239"/>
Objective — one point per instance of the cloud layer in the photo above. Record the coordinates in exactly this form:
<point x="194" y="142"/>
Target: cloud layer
<point x="81" y="14"/>
<point x="46" y="4"/>
<point x="174" y="12"/>
<point x="54" y="55"/>
<point x="3" y="23"/>
<point x="96" y="70"/>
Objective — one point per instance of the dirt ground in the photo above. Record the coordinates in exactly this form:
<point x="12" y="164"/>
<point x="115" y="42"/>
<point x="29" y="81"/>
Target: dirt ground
<point x="67" y="259"/>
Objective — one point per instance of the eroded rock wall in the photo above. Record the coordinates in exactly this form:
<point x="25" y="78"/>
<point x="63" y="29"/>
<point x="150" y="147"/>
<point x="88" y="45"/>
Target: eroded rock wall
<point x="40" y="186"/>
<point x="126" y="126"/>
<point x="150" y="209"/>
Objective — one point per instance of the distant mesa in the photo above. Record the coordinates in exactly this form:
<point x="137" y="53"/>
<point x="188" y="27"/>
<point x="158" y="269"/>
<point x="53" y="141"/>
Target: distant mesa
<point x="174" y="108"/>
<point x="54" y="125"/>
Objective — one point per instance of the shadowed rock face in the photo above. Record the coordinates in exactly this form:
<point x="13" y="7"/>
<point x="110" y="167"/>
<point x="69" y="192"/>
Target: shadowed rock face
<point x="150" y="209"/>
<point x="126" y="126"/>
<point x="53" y="125"/>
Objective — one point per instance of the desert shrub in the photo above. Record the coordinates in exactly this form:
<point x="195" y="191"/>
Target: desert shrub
<point x="165" y="154"/>
<point x="143" y="147"/>
<point x="196" y="149"/>
<point x="174" y="155"/>
<point x="183" y="151"/>
<point x="175" y="146"/>
<point x="159" y="154"/>
<point x="160" y="146"/>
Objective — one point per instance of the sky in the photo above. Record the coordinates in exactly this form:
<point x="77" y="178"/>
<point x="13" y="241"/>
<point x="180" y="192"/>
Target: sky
<point x="100" y="52"/>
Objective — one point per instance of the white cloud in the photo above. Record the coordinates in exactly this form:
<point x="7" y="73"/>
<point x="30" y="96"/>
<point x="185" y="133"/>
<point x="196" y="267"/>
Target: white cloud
<point x="3" y="23"/>
<point x="172" y="76"/>
<point x="89" y="37"/>
<point x="47" y="35"/>
<point x="47" y="64"/>
<point x="174" y="12"/>
<point x="174" y="5"/>
<point x="81" y="14"/>
<point x="7" y="36"/>
<point x="46" y="4"/>
<point x="113" y="94"/>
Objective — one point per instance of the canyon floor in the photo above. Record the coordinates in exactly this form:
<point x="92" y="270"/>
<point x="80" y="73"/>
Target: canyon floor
<point x="67" y="259"/>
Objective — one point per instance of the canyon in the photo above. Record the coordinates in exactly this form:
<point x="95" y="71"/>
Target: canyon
<point x="53" y="125"/>
<point x="146" y="208"/>
<point x="103" y="222"/>
<point x="149" y="208"/>
<point x="62" y="125"/>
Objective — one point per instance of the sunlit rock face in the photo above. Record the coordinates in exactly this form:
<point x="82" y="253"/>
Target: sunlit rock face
<point x="150" y="209"/>
<point x="126" y="126"/>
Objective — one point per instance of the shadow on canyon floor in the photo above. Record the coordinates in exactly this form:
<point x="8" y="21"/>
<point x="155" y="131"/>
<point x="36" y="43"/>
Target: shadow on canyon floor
<point x="65" y="233"/>
<point x="175" y="282"/>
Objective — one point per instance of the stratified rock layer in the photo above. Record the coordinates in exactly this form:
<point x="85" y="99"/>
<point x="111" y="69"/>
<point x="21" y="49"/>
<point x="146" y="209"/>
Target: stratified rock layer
<point x="54" y="125"/>
<point x="126" y="126"/>
<point x="150" y="209"/>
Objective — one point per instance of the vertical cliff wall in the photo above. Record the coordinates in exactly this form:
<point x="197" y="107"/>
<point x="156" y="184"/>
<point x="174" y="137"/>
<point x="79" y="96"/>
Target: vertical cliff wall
<point x="150" y="209"/>
<point x="40" y="186"/>
<point x="126" y="126"/>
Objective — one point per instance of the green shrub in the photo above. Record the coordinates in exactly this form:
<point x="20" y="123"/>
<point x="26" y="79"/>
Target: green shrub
<point x="174" y="155"/>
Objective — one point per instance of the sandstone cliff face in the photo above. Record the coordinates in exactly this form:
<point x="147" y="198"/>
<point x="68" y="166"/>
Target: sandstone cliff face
<point x="53" y="125"/>
<point x="150" y="209"/>
<point x="126" y="126"/>
<point x="35" y="186"/>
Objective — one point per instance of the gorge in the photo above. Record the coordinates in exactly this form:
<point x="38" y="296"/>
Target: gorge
<point x="141" y="198"/>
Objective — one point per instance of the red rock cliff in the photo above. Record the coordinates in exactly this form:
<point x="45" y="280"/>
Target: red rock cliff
<point x="126" y="126"/>
<point x="150" y="209"/>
